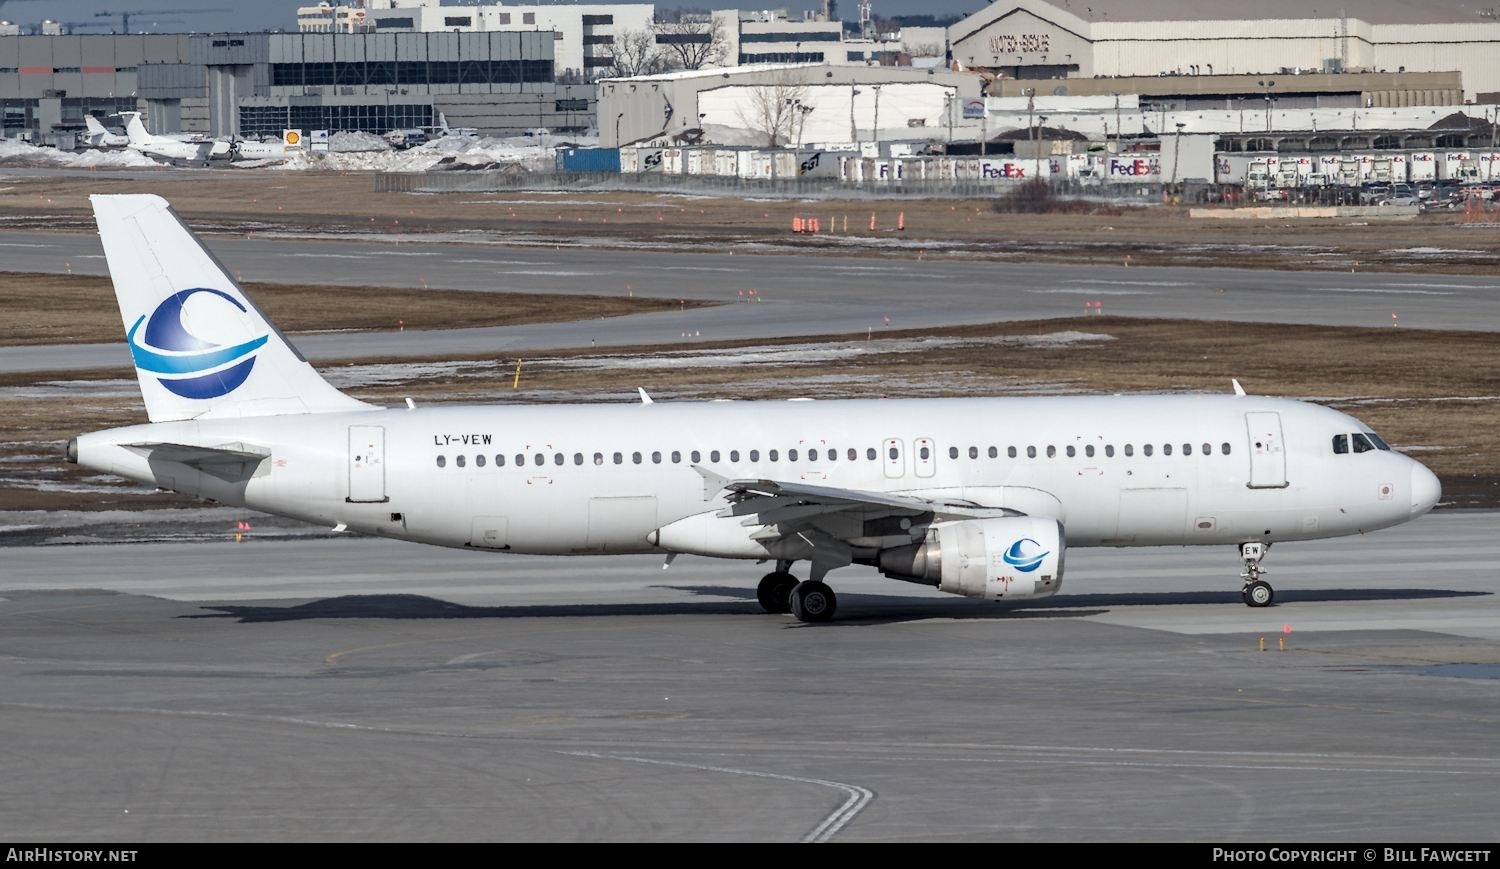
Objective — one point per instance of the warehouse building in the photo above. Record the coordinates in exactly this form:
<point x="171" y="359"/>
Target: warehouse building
<point x="246" y="84"/>
<point x="1131" y="41"/>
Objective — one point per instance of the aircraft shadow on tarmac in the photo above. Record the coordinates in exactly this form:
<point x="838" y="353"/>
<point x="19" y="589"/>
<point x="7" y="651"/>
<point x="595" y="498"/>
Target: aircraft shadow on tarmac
<point x="854" y="608"/>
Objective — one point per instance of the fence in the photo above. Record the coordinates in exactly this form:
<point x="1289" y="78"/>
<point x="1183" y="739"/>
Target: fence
<point x="501" y="181"/>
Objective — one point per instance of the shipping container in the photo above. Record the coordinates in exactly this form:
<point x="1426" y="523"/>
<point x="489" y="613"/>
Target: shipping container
<point x="1458" y="166"/>
<point x="589" y="160"/>
<point x="1422" y="167"/>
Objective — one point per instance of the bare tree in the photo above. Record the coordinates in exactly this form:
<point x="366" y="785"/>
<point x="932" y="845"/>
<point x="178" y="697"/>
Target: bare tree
<point x="691" y="43"/>
<point x="772" y="111"/>
<point x="635" y="52"/>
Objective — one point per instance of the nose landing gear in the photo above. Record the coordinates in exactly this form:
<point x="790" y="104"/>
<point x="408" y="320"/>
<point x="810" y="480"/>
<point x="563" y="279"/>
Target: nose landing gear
<point x="1257" y="592"/>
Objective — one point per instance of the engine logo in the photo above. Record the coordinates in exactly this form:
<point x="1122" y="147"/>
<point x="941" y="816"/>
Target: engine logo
<point x="1017" y="557"/>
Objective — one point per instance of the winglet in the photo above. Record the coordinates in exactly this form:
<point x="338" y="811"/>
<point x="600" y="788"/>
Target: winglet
<point x="1238" y="389"/>
<point x="645" y="399"/>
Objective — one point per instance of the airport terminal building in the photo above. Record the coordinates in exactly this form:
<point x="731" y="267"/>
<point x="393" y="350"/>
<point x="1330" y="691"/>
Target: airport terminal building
<point x="248" y="84"/>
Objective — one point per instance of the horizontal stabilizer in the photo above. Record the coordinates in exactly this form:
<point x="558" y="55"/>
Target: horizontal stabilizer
<point x="231" y="462"/>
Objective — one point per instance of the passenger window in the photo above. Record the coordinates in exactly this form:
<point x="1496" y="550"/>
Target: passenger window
<point x="1051" y="452"/>
<point x="973" y="452"/>
<point x="1109" y="451"/>
<point x="459" y="460"/>
<point x="812" y="455"/>
<point x="1011" y="452"/>
<point x="713" y="456"/>
<point x="557" y="458"/>
<point x="1224" y="448"/>
<point x="755" y="455"/>
<point x="734" y="455"/>
<point x="1031" y="452"/>
<point x="636" y="458"/>
<point x="442" y="461"/>
<point x="578" y="458"/>
<point x="1088" y="450"/>
<point x="540" y="459"/>
<point x="656" y="457"/>
<point x="520" y="459"/>
<point x="1361" y="443"/>
<point x="895" y="454"/>
<point x="994" y="453"/>
<point x="1146" y="450"/>
<point x="697" y="457"/>
<point x="676" y="457"/>
<point x="598" y="458"/>
<point x="1166" y="449"/>
<point x="499" y="460"/>
<point x="833" y="454"/>
<point x="925" y="453"/>
<point x="1187" y="449"/>
<point x="479" y="461"/>
<point x="854" y="454"/>
<point x="771" y="455"/>
<point x="619" y="458"/>
<point x="1208" y="449"/>
<point x="1375" y="439"/>
<point x="1340" y="444"/>
<point x="1072" y="452"/>
<point x="1130" y="449"/>
<point x="791" y="455"/>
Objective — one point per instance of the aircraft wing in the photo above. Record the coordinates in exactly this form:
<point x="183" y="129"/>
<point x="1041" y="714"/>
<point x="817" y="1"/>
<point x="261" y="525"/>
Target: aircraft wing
<point x="231" y="462"/>
<point x="786" y="508"/>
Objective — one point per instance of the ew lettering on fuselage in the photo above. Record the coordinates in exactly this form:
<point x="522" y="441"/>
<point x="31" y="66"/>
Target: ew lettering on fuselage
<point x="478" y="440"/>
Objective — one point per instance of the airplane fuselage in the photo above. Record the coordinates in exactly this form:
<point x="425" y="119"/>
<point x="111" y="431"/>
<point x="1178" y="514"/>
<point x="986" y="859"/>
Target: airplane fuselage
<point x="578" y="479"/>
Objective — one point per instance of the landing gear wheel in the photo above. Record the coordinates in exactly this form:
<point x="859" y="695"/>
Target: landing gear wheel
<point x="813" y="602"/>
<point x="1259" y="594"/>
<point x="775" y="592"/>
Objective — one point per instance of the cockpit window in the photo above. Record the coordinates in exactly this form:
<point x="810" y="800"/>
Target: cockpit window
<point x="1361" y="443"/>
<point x="1340" y="444"/>
<point x="1379" y="444"/>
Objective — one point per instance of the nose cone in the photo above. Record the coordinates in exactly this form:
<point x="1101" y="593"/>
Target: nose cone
<point x="1425" y="489"/>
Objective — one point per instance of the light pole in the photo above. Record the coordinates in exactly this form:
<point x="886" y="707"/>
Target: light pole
<point x="948" y="114"/>
<point x="617" y="128"/>
<point x="1268" y="84"/>
<point x="1118" y="129"/>
<point x="853" y="128"/>
<point x="1177" y="150"/>
<point x="801" y="119"/>
<point x="1241" y="101"/>
<point x="541" y="148"/>
<point x="876" y="131"/>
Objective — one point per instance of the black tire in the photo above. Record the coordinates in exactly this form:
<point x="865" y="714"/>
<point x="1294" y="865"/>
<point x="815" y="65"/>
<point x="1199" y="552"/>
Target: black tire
<point x="813" y="602"/>
<point x="1259" y="594"/>
<point x="775" y="592"/>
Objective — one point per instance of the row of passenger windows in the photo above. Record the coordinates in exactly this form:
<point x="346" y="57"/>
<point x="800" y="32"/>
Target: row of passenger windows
<point x="815" y="455"/>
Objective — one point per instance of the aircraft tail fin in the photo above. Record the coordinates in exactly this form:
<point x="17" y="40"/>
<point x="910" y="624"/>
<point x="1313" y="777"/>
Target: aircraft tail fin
<point x="134" y="129"/>
<point x="201" y="347"/>
<point x="94" y="127"/>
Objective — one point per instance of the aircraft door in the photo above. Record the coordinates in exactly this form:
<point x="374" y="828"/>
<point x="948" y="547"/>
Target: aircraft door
<point x="925" y="460"/>
<point x="366" y="464"/>
<point x="891" y="456"/>
<point x="1267" y="456"/>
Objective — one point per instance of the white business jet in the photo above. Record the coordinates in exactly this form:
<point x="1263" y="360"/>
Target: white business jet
<point x="171" y="148"/>
<point x="976" y="496"/>
<point x="100" y="137"/>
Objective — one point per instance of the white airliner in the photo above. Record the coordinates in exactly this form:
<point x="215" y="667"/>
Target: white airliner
<point x="171" y="148"/>
<point x="100" y="137"/>
<point x="976" y="496"/>
<point x="245" y="149"/>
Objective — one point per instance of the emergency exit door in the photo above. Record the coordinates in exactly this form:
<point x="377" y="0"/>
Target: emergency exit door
<point x="366" y="464"/>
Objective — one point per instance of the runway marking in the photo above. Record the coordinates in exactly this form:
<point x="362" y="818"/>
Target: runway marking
<point x="825" y="830"/>
<point x="1114" y="283"/>
<point x="1380" y="292"/>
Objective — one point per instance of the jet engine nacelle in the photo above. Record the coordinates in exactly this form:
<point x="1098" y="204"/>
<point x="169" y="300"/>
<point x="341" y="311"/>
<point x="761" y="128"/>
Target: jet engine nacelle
<point x="994" y="559"/>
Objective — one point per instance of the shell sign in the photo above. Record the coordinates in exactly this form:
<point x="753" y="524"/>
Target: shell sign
<point x="291" y="138"/>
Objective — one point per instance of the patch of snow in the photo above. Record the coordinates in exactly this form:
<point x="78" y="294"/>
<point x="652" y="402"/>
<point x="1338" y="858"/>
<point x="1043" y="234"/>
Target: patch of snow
<point x="16" y="152"/>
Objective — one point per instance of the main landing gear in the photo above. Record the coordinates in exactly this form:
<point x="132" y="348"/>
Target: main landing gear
<point x="809" y="601"/>
<point x="1257" y="592"/>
